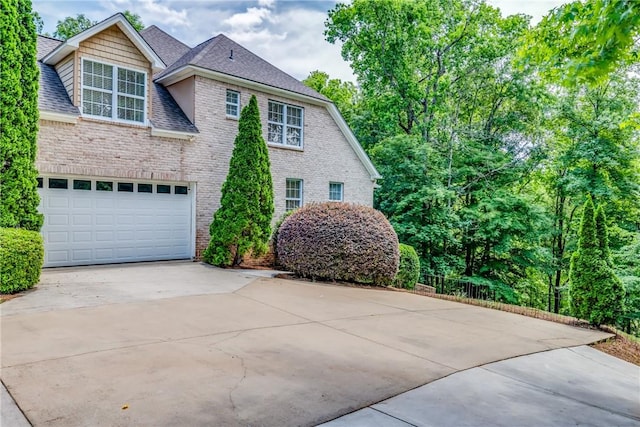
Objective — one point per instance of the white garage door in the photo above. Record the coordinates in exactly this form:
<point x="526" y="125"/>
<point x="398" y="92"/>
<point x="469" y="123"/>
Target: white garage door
<point x="104" y="220"/>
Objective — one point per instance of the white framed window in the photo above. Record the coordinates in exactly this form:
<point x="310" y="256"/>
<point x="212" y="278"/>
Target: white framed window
<point x="285" y="123"/>
<point x="336" y="191"/>
<point x="293" y="194"/>
<point x="233" y="104"/>
<point x="113" y="92"/>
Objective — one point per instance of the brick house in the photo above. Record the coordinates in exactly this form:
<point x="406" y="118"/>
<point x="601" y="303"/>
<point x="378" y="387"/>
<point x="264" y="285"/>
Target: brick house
<point x="136" y="133"/>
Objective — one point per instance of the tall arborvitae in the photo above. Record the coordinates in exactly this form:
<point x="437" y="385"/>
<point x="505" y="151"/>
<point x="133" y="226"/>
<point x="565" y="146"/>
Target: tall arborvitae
<point x="585" y="264"/>
<point x="18" y="117"/>
<point x="243" y="221"/>
<point x="597" y="294"/>
<point x="608" y="293"/>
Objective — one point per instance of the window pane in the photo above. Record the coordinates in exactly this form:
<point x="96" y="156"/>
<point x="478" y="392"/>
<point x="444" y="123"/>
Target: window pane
<point x="293" y="137"/>
<point x="104" y="186"/>
<point x="96" y="103"/>
<point x="276" y="112"/>
<point x="39" y="182"/>
<point x="294" y="116"/>
<point x="58" y="183"/>
<point x="145" y="188"/>
<point x="293" y="194"/>
<point x="126" y="187"/>
<point x="163" y="189"/>
<point x="180" y="189"/>
<point x="274" y="134"/>
<point x="335" y="191"/>
<point x="130" y="108"/>
<point x="81" y="184"/>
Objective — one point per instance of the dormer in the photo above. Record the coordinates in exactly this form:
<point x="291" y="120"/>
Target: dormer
<point x="107" y="72"/>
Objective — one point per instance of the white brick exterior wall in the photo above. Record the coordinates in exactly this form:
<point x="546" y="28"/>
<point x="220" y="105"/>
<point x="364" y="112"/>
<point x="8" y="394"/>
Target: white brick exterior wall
<point x="107" y="149"/>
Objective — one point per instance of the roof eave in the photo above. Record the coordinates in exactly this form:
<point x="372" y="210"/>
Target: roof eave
<point x="174" y="134"/>
<point x="54" y="116"/>
<point x="73" y="43"/>
<point x="191" y="70"/>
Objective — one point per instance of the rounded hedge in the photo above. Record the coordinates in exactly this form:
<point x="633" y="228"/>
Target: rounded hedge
<point x="21" y="259"/>
<point x="339" y="241"/>
<point x="409" y="268"/>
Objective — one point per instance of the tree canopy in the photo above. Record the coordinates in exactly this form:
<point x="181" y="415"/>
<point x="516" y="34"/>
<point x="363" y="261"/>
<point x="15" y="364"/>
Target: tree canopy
<point x="70" y="26"/>
<point x="490" y="133"/>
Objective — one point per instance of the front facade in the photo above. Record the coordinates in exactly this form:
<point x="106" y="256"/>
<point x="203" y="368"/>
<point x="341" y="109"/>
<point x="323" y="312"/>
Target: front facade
<point x="136" y="134"/>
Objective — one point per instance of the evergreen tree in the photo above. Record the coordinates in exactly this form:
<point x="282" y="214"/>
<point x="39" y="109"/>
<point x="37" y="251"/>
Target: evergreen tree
<point x="243" y="221"/>
<point x="585" y="264"/>
<point x="597" y="294"/>
<point x="608" y="294"/>
<point x="19" y="116"/>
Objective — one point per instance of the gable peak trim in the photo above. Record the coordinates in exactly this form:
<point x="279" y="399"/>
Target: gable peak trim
<point x="73" y="43"/>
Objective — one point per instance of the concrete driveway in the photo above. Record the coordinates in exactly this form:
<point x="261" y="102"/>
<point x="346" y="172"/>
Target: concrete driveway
<point x="165" y="344"/>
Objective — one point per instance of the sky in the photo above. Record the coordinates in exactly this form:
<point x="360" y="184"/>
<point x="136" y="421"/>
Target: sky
<point x="288" y="34"/>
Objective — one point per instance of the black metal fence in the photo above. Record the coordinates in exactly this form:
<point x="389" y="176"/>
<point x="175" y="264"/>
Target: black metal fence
<point x="460" y="287"/>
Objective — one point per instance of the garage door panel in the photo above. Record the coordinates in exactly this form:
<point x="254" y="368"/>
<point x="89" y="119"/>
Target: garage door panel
<point x="95" y="227"/>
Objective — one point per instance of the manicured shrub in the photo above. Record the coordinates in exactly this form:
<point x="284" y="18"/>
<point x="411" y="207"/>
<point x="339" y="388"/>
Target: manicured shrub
<point x="339" y="241"/>
<point x="274" y="236"/>
<point x="21" y="258"/>
<point x="242" y="224"/>
<point x="18" y="117"/>
<point x="408" y="269"/>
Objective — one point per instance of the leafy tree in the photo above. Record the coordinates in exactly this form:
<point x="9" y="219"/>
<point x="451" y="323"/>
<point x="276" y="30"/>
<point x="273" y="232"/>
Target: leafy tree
<point x="38" y="22"/>
<point x="585" y="41"/>
<point x="134" y="19"/>
<point x="19" y="118"/>
<point x="596" y="292"/>
<point x="243" y="221"/>
<point x="343" y="94"/>
<point x="71" y="26"/>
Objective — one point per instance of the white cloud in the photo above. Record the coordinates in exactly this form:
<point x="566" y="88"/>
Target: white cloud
<point x="162" y="13"/>
<point x="254" y="16"/>
<point x="266" y="3"/>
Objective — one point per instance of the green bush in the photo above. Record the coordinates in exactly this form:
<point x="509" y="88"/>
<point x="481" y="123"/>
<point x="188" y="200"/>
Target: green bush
<point x="339" y="241"/>
<point x="408" y="269"/>
<point x="21" y="258"/>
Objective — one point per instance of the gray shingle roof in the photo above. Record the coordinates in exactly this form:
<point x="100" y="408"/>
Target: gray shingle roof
<point x="168" y="48"/>
<point x="166" y="114"/>
<point x="52" y="96"/>
<point x="214" y="55"/>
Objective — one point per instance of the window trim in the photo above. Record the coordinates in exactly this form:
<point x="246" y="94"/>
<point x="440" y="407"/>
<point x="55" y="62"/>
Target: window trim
<point x="114" y="93"/>
<point x="300" y="199"/>
<point x="285" y="125"/>
<point x="341" y="184"/>
<point x="227" y="103"/>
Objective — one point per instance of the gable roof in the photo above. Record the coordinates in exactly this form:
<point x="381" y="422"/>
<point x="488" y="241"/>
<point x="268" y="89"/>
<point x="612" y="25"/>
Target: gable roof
<point x="168" y="48"/>
<point x="73" y="43"/>
<point x="222" y="55"/>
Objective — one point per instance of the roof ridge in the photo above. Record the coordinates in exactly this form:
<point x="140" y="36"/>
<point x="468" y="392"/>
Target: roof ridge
<point x="209" y="45"/>
<point x="144" y="30"/>
<point x="44" y="36"/>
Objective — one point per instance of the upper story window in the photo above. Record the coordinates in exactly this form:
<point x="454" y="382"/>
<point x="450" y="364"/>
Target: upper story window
<point x="336" y="191"/>
<point x="285" y="124"/>
<point x="233" y="104"/>
<point x="113" y="92"/>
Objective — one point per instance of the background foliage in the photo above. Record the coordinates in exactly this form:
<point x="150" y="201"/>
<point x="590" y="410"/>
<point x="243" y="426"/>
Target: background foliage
<point x="490" y="132"/>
